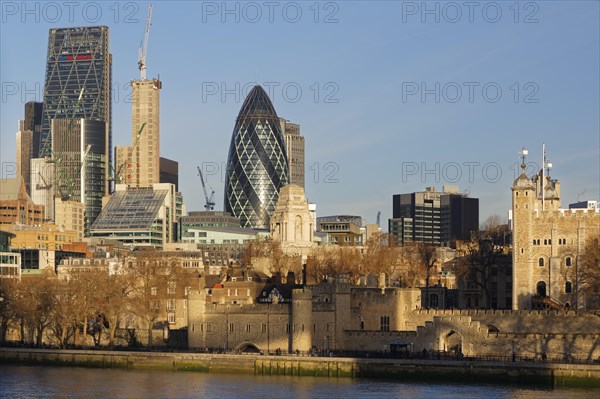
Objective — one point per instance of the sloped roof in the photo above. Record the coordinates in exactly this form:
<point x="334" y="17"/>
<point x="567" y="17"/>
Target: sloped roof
<point x="130" y="210"/>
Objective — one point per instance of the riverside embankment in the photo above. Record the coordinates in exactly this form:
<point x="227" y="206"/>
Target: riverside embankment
<point x="542" y="374"/>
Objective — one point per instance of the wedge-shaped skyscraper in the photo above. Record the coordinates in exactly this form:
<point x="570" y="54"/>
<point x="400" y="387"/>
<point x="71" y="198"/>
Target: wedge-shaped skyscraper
<point x="257" y="166"/>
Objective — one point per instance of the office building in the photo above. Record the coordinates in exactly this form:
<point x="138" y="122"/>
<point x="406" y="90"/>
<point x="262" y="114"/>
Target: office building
<point x="169" y="172"/>
<point x="140" y="216"/>
<point x="79" y="146"/>
<point x="434" y="217"/>
<point x="257" y="165"/>
<point x="294" y="145"/>
<point x="78" y="87"/>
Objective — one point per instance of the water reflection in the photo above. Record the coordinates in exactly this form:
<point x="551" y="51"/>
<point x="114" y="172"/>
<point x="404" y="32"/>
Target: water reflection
<point x="54" y="382"/>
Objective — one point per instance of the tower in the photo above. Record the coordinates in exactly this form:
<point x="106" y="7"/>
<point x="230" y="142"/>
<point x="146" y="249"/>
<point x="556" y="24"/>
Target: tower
<point x="294" y="146"/>
<point x="523" y="200"/>
<point x="77" y="88"/>
<point x="257" y="165"/>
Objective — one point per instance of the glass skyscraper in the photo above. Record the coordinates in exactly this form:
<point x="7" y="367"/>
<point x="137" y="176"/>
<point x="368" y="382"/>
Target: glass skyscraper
<point x="78" y="83"/>
<point x="257" y="166"/>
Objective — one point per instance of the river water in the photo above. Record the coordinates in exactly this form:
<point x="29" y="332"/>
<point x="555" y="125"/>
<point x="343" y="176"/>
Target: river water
<point x="64" y="382"/>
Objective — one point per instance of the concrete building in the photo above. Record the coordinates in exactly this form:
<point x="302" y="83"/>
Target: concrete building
<point x="10" y="262"/>
<point x="69" y="215"/>
<point x="434" y="217"/>
<point x="139" y="164"/>
<point x="15" y="204"/>
<point x="294" y="145"/>
<point x="140" y="216"/>
<point x="341" y="229"/>
<point x="24" y="154"/>
<point x="292" y="222"/>
<point x="201" y="219"/>
<point x="547" y="243"/>
<point x="42" y="185"/>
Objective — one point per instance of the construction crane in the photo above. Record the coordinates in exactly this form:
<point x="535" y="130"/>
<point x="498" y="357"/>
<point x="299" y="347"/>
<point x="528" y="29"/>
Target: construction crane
<point x="117" y="173"/>
<point x="144" y="46"/>
<point x="210" y="203"/>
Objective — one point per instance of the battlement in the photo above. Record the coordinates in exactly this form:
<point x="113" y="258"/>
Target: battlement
<point x="567" y="213"/>
<point x="487" y="312"/>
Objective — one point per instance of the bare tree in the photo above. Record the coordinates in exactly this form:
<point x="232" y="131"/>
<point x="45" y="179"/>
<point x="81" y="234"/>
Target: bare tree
<point x="474" y="264"/>
<point x="8" y="291"/>
<point x="381" y="254"/>
<point x="588" y="279"/>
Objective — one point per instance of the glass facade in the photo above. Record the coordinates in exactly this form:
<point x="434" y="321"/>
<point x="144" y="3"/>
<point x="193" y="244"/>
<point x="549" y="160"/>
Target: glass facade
<point x="78" y="82"/>
<point x="257" y="166"/>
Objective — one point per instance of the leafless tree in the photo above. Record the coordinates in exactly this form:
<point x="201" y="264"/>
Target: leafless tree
<point x="588" y="279"/>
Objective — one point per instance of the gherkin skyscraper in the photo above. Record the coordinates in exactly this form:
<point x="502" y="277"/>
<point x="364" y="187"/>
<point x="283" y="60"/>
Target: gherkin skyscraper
<point x="257" y="165"/>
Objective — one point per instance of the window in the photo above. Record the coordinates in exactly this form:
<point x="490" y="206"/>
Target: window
<point x="568" y="261"/>
<point x="171" y="317"/>
<point x="264" y="327"/>
<point x="247" y="328"/>
<point x="231" y="327"/>
<point x="171" y="305"/>
<point x="171" y="288"/>
<point x="568" y="287"/>
<point x="153" y="290"/>
<point x="385" y="323"/>
<point x="541" y="262"/>
<point x="433" y="300"/>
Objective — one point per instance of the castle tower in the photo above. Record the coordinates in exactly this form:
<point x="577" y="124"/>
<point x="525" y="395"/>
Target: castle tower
<point x="523" y="200"/>
<point x="302" y="319"/>
<point x="547" y="243"/>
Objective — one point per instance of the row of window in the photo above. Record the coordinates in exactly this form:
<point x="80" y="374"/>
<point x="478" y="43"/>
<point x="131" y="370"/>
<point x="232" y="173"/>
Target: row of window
<point x="568" y="261"/>
<point x="548" y="241"/>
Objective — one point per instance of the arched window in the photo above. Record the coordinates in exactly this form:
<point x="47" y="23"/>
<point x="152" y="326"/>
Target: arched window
<point x="540" y="288"/>
<point x="533" y="242"/>
<point x="541" y="262"/>
<point x="545" y="242"/>
<point x="568" y="287"/>
<point x="568" y="261"/>
<point x="538" y="241"/>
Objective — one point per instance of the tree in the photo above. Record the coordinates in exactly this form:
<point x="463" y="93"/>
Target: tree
<point x="381" y="255"/>
<point x="36" y="305"/>
<point x="474" y="264"/>
<point x="8" y="291"/>
<point x="153" y="275"/>
<point x="588" y="279"/>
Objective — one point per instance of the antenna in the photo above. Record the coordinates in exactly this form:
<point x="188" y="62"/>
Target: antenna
<point x="144" y="45"/>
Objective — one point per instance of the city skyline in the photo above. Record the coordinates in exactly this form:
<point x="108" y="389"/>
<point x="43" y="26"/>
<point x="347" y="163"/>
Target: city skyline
<point x="375" y="121"/>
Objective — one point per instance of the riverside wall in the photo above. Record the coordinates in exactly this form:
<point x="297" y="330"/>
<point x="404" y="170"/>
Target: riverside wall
<point x="542" y="374"/>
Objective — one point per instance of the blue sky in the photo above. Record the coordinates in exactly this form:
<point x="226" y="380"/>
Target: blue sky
<point x="395" y="96"/>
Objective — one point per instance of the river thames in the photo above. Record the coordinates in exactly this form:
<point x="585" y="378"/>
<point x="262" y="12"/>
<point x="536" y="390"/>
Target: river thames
<point x="66" y="382"/>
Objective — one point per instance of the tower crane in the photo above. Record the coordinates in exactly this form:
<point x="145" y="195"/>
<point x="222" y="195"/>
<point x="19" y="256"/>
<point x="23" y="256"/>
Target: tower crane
<point x="118" y="173"/>
<point x="144" y="46"/>
<point x="210" y="203"/>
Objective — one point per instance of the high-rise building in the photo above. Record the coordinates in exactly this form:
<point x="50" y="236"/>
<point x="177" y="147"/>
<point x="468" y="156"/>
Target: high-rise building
<point x="28" y="141"/>
<point x="294" y="145"/>
<point x="257" y="165"/>
<point x="24" y="154"/>
<point x="169" y="172"/>
<point x="82" y="159"/>
<point x="139" y="164"/>
<point x="434" y="217"/>
<point x="78" y="85"/>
